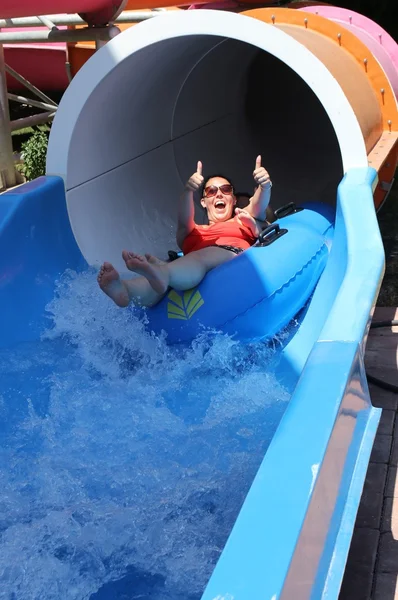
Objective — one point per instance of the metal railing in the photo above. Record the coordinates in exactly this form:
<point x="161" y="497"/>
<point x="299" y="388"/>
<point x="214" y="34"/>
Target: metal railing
<point x="100" y="35"/>
<point x="64" y="35"/>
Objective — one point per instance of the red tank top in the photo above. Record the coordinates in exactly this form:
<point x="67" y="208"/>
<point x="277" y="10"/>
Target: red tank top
<point x="226" y="233"/>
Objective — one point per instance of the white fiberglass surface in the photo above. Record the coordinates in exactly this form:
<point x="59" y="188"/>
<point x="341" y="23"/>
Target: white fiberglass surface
<point x="142" y="130"/>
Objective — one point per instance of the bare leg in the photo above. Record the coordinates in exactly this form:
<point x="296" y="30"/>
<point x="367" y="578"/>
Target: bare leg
<point x="182" y="274"/>
<point x="122" y="291"/>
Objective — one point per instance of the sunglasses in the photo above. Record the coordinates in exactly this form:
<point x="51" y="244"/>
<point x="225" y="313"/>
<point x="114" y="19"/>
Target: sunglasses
<point x="211" y="190"/>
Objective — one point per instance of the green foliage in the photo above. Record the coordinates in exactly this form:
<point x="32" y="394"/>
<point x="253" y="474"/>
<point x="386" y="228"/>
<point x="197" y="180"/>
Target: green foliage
<point x="34" y="153"/>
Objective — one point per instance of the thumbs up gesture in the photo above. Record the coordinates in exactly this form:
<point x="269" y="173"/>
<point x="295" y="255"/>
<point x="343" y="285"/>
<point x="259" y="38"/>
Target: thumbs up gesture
<point x="261" y="176"/>
<point x="196" y="180"/>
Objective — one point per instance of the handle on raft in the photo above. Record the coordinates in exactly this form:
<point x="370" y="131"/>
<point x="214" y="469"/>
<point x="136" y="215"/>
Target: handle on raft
<point x="270" y="234"/>
<point x="287" y="209"/>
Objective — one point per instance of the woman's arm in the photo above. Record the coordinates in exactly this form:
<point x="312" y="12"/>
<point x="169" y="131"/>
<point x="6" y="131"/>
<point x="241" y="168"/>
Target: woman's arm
<point x="186" y="213"/>
<point x="186" y="208"/>
<point x="262" y="196"/>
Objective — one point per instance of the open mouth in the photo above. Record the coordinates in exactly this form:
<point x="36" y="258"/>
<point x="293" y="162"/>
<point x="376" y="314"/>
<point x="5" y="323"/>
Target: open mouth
<point x="220" y="204"/>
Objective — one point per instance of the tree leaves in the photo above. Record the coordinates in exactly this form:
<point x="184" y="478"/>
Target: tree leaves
<point x="34" y="153"/>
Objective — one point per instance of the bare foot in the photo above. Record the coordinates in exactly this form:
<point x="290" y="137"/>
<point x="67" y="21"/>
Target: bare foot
<point x="154" y="260"/>
<point x="157" y="275"/>
<point x="111" y="284"/>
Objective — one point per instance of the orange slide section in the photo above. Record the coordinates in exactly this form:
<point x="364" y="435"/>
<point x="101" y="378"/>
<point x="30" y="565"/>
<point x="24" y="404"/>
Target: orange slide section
<point x="359" y="74"/>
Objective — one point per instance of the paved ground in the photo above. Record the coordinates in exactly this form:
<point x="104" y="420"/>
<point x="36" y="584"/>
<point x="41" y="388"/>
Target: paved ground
<point x="372" y="566"/>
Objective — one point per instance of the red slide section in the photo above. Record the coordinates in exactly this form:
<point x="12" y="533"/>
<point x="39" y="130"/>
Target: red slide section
<point x="95" y="12"/>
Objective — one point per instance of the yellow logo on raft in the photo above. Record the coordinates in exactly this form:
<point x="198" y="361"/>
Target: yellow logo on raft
<point x="184" y="305"/>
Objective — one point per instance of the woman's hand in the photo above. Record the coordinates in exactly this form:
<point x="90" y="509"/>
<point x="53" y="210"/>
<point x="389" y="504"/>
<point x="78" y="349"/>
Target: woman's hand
<point x="245" y="219"/>
<point x="196" y="180"/>
<point x="261" y="176"/>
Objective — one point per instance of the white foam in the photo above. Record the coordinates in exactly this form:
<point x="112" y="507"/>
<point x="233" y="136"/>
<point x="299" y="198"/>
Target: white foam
<point x="125" y="453"/>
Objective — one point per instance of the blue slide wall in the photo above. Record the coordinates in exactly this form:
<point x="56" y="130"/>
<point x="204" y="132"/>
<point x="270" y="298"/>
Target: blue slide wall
<point x="321" y="449"/>
<point x="36" y="246"/>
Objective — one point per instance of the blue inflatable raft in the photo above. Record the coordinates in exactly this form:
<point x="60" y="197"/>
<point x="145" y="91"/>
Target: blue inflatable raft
<point x="255" y="295"/>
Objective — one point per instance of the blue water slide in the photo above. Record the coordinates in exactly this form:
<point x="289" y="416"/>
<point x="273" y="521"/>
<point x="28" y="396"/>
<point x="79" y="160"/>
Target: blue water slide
<point x="293" y="531"/>
<point x="37" y="245"/>
<point x="309" y="485"/>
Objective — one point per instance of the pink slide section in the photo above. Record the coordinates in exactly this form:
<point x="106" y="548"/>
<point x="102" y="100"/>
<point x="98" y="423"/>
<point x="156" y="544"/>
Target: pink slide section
<point x="379" y="42"/>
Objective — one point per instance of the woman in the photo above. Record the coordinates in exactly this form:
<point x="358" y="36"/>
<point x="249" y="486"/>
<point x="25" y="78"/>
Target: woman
<point x="204" y="246"/>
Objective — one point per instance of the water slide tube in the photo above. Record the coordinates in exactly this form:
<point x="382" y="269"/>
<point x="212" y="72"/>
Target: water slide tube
<point x="375" y="38"/>
<point x="44" y="65"/>
<point x="303" y="97"/>
<point x="95" y="12"/>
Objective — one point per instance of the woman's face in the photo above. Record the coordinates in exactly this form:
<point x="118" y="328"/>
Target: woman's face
<point x="217" y="200"/>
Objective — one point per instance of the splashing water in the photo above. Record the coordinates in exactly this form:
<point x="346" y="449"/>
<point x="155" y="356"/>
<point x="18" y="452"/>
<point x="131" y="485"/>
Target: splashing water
<point x="127" y="460"/>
